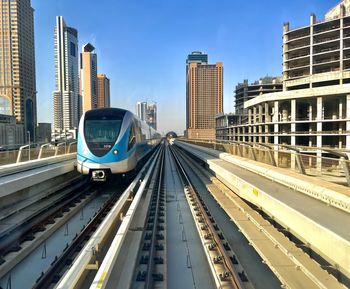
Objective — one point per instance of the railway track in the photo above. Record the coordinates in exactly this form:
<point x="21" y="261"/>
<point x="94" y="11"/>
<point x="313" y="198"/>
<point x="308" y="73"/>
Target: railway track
<point x="152" y="255"/>
<point x="267" y="240"/>
<point x="127" y="238"/>
<point x="58" y="266"/>
<point x="22" y="224"/>
<point x="218" y="251"/>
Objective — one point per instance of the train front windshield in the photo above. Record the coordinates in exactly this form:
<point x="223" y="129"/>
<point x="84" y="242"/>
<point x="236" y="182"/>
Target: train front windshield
<point x="101" y="131"/>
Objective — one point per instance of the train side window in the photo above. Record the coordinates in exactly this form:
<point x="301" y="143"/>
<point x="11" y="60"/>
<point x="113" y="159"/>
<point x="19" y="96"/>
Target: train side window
<point x="132" y="138"/>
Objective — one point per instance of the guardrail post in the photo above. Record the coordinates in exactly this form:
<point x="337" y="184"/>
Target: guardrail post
<point x="240" y="150"/>
<point x="19" y="156"/>
<point x="346" y="169"/>
<point x="252" y="153"/>
<point x="69" y="146"/>
<point x="57" y="147"/>
<point x="272" y="157"/>
<point x="300" y="163"/>
<point x="41" y="149"/>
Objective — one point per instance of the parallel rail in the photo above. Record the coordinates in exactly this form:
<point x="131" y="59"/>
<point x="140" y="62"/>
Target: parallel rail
<point x="227" y="277"/>
<point x="12" y="236"/>
<point x="152" y="275"/>
<point x="263" y="236"/>
<point x="87" y="260"/>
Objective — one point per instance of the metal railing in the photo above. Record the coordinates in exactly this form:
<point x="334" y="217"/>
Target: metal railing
<point x="329" y="164"/>
<point x="36" y="151"/>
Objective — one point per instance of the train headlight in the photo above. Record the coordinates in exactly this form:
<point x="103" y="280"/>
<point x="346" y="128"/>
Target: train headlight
<point x="115" y="152"/>
<point x="85" y="151"/>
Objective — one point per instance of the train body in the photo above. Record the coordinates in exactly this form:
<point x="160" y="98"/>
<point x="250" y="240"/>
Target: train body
<point x="112" y="141"/>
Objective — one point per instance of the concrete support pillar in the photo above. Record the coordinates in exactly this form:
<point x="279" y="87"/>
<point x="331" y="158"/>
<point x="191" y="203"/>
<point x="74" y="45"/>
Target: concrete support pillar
<point x="260" y="113"/>
<point x="310" y="112"/>
<point x="260" y="116"/>
<point x="341" y="48"/>
<point x="285" y="54"/>
<point x="312" y="22"/>
<point x="341" y="127"/>
<point x="254" y="123"/>
<point x="267" y="115"/>
<point x="276" y="128"/>
<point x="348" y="121"/>
<point x="340" y="108"/>
<point x="266" y="140"/>
<point x="320" y="116"/>
<point x="292" y="130"/>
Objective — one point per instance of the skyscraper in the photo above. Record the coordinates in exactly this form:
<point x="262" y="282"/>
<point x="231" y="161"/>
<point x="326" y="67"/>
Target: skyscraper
<point x="17" y="64"/>
<point x="194" y="57"/>
<point x="151" y="115"/>
<point x="147" y="113"/>
<point x="103" y="91"/>
<point x="88" y="74"/>
<point x="66" y="106"/>
<point x="204" y="93"/>
<point x="141" y="108"/>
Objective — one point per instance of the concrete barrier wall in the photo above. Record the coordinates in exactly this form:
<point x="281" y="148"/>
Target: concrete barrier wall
<point x="332" y="194"/>
<point x="327" y="244"/>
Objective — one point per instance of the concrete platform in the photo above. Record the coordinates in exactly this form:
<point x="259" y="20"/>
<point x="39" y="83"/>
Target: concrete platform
<point x="324" y="228"/>
<point x="16" y="178"/>
<point x="330" y="193"/>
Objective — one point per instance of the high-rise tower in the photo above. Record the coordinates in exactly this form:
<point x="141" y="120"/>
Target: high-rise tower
<point x="204" y="95"/>
<point x="66" y="110"/>
<point x="103" y="91"/>
<point x="141" y="108"/>
<point x="88" y="74"/>
<point x="194" y="57"/>
<point x="17" y="64"/>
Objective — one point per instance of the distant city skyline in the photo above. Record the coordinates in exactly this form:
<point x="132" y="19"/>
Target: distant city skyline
<point x="147" y="56"/>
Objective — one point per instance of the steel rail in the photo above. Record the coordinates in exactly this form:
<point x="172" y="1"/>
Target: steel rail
<point x="104" y="271"/>
<point x="236" y="282"/>
<point x="12" y="237"/>
<point x="160" y="173"/>
<point x="59" y="263"/>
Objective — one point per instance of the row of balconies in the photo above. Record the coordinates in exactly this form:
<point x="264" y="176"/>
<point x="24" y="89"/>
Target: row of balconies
<point x="270" y="123"/>
<point x="319" y="28"/>
<point x="287" y="133"/>
<point x="305" y="42"/>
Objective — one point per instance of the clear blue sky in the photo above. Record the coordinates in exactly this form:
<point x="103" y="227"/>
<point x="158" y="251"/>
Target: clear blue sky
<point x="142" y="45"/>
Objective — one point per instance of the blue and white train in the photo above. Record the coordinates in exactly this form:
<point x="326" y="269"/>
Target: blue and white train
<point x="112" y="141"/>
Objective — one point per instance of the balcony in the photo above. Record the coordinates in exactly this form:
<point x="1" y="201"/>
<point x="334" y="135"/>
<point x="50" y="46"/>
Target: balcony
<point x="328" y="49"/>
<point x="300" y="37"/>
<point x="298" y="33"/>
<point x="326" y="26"/>
<point x="318" y="41"/>
<point x="327" y="60"/>
<point x="298" y="66"/>
<point x="298" y="56"/>
<point x="295" y="47"/>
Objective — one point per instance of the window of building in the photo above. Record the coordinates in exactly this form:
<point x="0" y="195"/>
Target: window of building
<point x="5" y="105"/>
<point x="72" y="49"/>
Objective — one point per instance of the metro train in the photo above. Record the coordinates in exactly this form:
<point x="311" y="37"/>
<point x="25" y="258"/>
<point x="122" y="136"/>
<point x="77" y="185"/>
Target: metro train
<point x="112" y="141"/>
